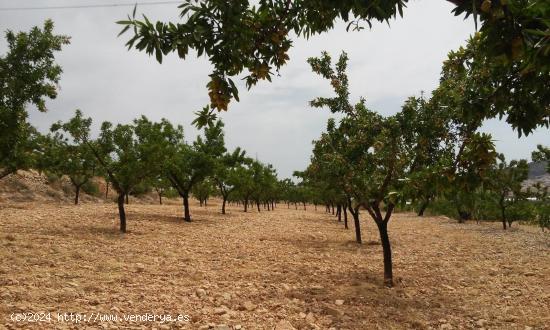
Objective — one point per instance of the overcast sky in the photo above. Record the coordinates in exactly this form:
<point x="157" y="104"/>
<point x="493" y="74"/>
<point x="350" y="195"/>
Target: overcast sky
<point x="273" y="121"/>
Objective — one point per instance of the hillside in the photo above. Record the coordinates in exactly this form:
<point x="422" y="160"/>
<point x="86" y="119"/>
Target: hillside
<point x="537" y="169"/>
<point x="31" y="186"/>
<point x="537" y="175"/>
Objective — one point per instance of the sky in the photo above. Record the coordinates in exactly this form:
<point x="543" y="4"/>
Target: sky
<point x="272" y="121"/>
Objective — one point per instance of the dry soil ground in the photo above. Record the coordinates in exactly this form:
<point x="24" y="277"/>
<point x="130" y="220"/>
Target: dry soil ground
<point x="266" y="270"/>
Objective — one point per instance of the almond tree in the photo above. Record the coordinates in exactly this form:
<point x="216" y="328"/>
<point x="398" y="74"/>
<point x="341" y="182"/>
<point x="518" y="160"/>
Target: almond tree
<point x="372" y="154"/>
<point x="225" y="163"/>
<point x="252" y="40"/>
<point x="161" y="185"/>
<point x="203" y="190"/>
<point x="245" y="184"/>
<point x="129" y="154"/>
<point x="505" y="181"/>
<point x="468" y="154"/>
<point x="186" y="165"/>
<point x="28" y="76"/>
<point x="226" y="174"/>
<point x="74" y="160"/>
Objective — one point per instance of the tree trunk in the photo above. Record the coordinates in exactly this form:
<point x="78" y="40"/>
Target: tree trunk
<point x="339" y="212"/>
<point x="423" y="207"/>
<point x="386" y="249"/>
<point x="258" y="205"/>
<point x="332" y="206"/>
<point x="127" y="199"/>
<point x="502" y="212"/>
<point x="246" y="205"/>
<point x="223" y="204"/>
<point x="160" y="198"/>
<point x="345" y="216"/>
<point x="463" y="216"/>
<point x="107" y="191"/>
<point x="305" y="206"/>
<point x="121" y="212"/>
<point x="272" y="205"/>
<point x="76" y="195"/>
<point x="295" y="205"/>
<point x="355" y="214"/>
<point x="186" y="216"/>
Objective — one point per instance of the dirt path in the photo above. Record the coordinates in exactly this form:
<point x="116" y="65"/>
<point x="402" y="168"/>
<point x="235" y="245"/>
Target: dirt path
<point x="266" y="270"/>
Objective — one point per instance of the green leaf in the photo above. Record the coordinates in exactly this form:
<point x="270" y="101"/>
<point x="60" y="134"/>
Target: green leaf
<point x="123" y="30"/>
<point x="234" y="89"/>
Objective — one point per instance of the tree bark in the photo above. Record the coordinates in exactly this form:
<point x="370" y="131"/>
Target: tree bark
<point x="355" y="214"/>
<point x="339" y="212"/>
<point x="77" y="194"/>
<point x="305" y="206"/>
<point x="423" y="207"/>
<point x="503" y="212"/>
<point x="121" y="212"/>
<point x="463" y="216"/>
<point x="258" y="205"/>
<point x="246" y="205"/>
<point x="223" y="204"/>
<point x="127" y="199"/>
<point x="345" y="216"/>
<point x="186" y="214"/>
<point x="386" y="249"/>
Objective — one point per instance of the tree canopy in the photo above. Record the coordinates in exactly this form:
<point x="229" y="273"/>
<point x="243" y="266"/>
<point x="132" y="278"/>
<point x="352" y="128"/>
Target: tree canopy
<point x="28" y="75"/>
<point x="252" y="40"/>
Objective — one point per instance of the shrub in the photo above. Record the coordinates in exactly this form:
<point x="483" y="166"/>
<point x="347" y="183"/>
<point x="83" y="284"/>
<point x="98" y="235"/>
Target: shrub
<point x="91" y="188"/>
<point x="542" y="214"/>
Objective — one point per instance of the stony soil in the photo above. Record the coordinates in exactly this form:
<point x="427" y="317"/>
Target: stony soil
<point x="283" y="269"/>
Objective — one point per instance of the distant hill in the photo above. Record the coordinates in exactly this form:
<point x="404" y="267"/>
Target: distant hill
<point x="537" y="169"/>
<point x="537" y="174"/>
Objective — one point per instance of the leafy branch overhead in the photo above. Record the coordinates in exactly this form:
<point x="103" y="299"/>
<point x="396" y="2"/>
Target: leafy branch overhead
<point x="251" y="41"/>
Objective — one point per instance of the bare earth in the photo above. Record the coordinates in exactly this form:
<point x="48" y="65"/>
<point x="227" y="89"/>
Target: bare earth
<point x="266" y="270"/>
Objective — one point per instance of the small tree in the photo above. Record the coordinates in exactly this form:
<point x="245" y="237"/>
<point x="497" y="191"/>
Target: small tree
<point x="76" y="161"/>
<point x="160" y="184"/>
<point x="129" y="154"/>
<point x="226" y="173"/>
<point x="185" y="166"/>
<point x="203" y="190"/>
<point x="505" y="181"/>
<point x="244" y="182"/>
<point x="371" y="153"/>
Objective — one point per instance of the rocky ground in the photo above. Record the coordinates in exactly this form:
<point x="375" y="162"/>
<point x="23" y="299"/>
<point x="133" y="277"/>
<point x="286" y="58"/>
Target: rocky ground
<point x="284" y="269"/>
